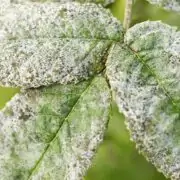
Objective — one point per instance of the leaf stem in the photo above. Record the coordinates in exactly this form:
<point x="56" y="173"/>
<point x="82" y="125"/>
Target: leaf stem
<point x="128" y="14"/>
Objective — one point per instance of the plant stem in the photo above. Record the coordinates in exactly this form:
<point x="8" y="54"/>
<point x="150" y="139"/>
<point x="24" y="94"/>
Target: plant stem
<point x="128" y="13"/>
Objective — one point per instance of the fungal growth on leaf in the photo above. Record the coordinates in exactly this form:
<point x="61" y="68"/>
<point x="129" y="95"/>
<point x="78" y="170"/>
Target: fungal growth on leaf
<point x="173" y="5"/>
<point x="53" y="132"/>
<point x="103" y="2"/>
<point x="144" y="76"/>
<point x="46" y="43"/>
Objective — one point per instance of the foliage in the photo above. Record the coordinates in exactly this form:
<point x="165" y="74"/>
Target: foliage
<point x="167" y="4"/>
<point x="50" y="127"/>
<point x="81" y="47"/>
<point x="103" y="2"/>
<point x="136" y="75"/>
<point x="49" y="44"/>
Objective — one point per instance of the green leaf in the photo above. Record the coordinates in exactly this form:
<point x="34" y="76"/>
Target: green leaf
<point x="144" y="75"/>
<point x="42" y="44"/>
<point x="103" y="2"/>
<point x="173" y="5"/>
<point x="52" y="133"/>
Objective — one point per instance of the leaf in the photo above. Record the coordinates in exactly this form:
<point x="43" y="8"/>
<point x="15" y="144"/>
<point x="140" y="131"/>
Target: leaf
<point x="53" y="133"/>
<point x="144" y="76"/>
<point x="173" y="5"/>
<point x="103" y="2"/>
<point x="42" y="44"/>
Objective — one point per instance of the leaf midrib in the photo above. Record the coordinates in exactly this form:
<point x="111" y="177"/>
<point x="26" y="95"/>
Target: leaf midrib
<point x="158" y="79"/>
<point x="74" y="38"/>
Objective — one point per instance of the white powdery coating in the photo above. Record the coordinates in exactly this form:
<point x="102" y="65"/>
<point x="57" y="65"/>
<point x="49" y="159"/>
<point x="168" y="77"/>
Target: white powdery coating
<point x="53" y="133"/>
<point x="46" y="43"/>
<point x="144" y="76"/>
<point x="4" y="4"/>
<point x="103" y="2"/>
<point x="159" y="45"/>
<point x="173" y="5"/>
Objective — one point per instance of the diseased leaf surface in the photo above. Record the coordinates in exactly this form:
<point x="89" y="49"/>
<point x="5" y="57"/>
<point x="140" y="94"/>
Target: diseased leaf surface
<point x="173" y="5"/>
<point x="144" y="76"/>
<point x="46" y="43"/>
<point x="53" y="133"/>
<point x="103" y="2"/>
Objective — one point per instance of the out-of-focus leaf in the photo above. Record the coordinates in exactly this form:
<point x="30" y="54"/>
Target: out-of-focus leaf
<point x="46" y="43"/>
<point x="144" y="76"/>
<point x="173" y="5"/>
<point x="53" y="133"/>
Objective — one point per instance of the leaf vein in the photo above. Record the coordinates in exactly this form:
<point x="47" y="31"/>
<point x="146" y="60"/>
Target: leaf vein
<point x="158" y="79"/>
<point x="55" y="136"/>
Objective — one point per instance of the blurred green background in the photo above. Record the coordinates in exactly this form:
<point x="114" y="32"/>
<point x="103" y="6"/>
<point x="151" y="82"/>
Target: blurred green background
<point x="117" y="158"/>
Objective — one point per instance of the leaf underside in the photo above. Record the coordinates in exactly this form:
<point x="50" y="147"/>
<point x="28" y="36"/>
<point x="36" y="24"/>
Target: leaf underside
<point x="144" y="76"/>
<point x="172" y="5"/>
<point x="53" y="132"/>
<point x="46" y="43"/>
